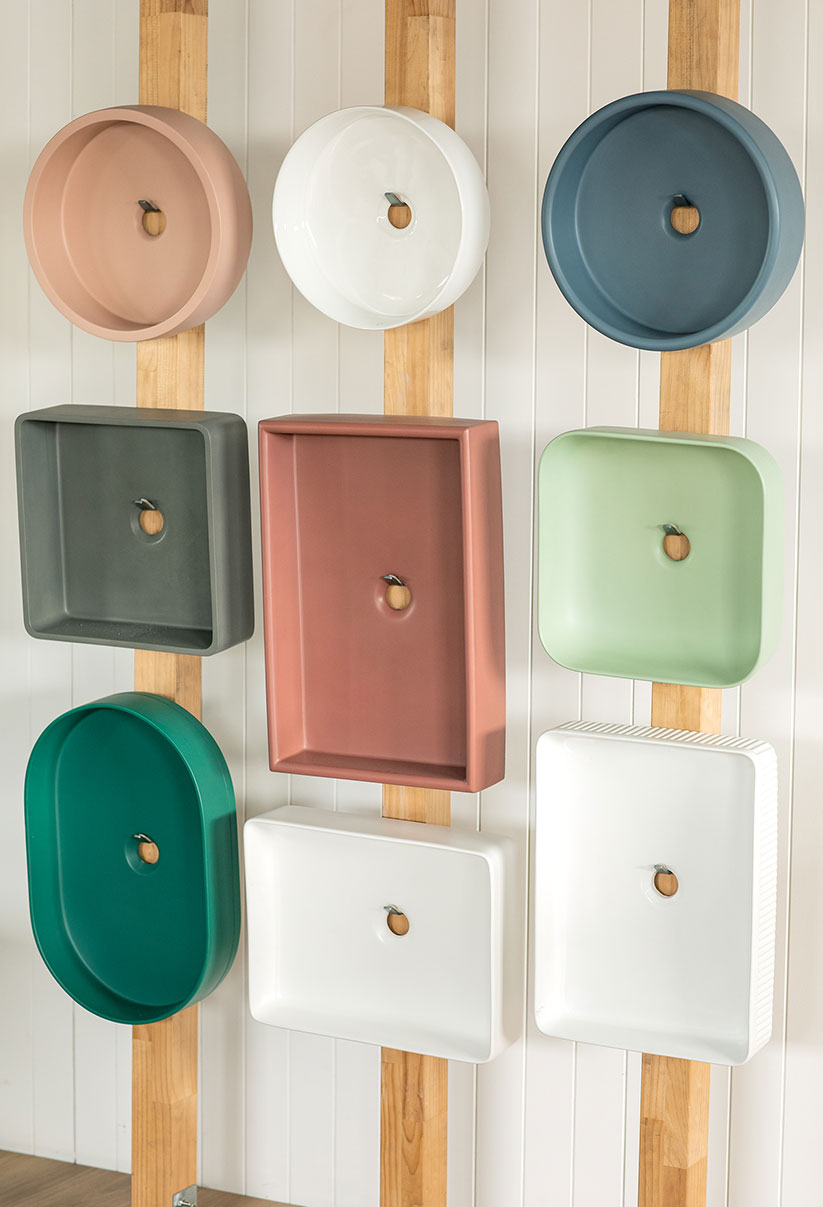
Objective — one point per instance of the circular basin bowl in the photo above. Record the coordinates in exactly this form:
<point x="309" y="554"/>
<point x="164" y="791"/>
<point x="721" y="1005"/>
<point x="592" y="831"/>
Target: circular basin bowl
<point x="381" y="216"/>
<point x="671" y="219"/>
<point x="110" y="265"/>
<point x="132" y="857"/>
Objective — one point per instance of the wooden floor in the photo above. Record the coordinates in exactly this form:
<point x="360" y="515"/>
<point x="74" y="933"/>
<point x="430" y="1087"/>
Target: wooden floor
<point x="36" y="1182"/>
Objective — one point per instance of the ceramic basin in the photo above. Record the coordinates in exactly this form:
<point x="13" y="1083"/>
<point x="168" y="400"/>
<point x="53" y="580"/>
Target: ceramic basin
<point x="108" y="265"/>
<point x="322" y="956"/>
<point x="131" y="835"/>
<point x="620" y="963"/>
<point x="358" y="688"/>
<point x="613" y="602"/>
<point x="341" y="244"/>
<point x="614" y="209"/>
<point x="91" y="570"/>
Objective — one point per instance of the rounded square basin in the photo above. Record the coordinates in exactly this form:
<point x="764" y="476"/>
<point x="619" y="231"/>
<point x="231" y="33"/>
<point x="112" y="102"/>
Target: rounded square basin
<point x="619" y="594"/>
<point x="656" y="890"/>
<point x="387" y="932"/>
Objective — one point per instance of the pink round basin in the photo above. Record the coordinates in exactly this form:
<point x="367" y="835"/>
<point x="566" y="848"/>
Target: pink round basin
<point x="95" y="248"/>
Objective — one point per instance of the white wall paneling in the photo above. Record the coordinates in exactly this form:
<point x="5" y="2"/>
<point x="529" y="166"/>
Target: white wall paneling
<point x="293" y="1117"/>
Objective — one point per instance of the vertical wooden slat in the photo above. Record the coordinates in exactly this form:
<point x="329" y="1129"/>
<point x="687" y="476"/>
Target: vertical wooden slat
<point x="704" y="46"/>
<point x="418" y="380"/>
<point x="173" y="72"/>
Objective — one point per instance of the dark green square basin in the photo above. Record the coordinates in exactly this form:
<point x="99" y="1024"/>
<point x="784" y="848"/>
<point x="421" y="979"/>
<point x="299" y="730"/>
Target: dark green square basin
<point x="132" y="857"/>
<point x="89" y="480"/>
<point x="612" y="601"/>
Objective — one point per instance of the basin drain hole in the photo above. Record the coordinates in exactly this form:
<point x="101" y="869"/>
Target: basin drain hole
<point x="151" y="522"/>
<point x="396" y="920"/>
<point x="147" y="849"/>
<point x="400" y="214"/>
<point x="684" y="217"/>
<point x="398" y="595"/>
<point x="149" y="517"/>
<point x="676" y="544"/>
<point x="665" y="880"/>
<point x="154" y="220"/>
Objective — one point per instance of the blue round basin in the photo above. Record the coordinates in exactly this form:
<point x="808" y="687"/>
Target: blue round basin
<point x="672" y="219"/>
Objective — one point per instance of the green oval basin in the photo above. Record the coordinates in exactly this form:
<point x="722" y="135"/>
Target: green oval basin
<point x="132" y="857"/>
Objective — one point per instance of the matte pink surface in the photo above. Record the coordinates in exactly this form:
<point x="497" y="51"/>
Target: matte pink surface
<point x="84" y="230"/>
<point x="356" y="690"/>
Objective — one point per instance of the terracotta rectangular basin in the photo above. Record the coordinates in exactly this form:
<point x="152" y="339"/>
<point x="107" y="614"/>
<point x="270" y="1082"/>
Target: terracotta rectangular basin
<point x="621" y="593"/>
<point x="656" y="882"/>
<point x="135" y="527"/>
<point x="387" y="932"/>
<point x="399" y="682"/>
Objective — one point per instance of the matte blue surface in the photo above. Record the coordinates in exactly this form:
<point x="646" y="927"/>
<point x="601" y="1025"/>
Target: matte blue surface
<point x="607" y="230"/>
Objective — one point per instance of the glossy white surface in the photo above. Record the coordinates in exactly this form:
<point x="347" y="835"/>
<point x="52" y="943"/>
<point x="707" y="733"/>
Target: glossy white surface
<point x="323" y="959"/>
<point x="331" y="223"/>
<point x="617" y="962"/>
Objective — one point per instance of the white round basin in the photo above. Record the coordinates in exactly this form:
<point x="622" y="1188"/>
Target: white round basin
<point x="347" y="245"/>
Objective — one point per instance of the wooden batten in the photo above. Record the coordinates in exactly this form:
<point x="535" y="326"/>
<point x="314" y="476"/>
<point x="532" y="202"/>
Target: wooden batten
<point x="418" y="380"/>
<point x="695" y="385"/>
<point x="173" y="72"/>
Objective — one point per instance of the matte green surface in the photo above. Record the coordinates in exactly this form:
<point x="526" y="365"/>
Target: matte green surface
<point x="131" y="941"/>
<point x="612" y="603"/>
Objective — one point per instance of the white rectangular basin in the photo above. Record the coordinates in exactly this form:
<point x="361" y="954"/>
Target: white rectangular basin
<point x="323" y="957"/>
<point x="620" y="963"/>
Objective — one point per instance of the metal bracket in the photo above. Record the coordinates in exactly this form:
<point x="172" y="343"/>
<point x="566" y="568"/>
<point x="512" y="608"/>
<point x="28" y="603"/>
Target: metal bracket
<point x="185" y="1198"/>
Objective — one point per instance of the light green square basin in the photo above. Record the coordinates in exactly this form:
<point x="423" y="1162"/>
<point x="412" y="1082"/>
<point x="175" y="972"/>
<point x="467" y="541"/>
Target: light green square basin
<point x="610" y="599"/>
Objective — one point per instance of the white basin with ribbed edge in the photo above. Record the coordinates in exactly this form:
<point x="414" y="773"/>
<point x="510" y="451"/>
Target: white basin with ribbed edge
<point x="323" y="956"/>
<point x="337" y="238"/>
<point x="618" y="962"/>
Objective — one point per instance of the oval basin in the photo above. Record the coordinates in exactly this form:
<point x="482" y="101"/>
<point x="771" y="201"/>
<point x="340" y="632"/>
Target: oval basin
<point x="132" y="857"/>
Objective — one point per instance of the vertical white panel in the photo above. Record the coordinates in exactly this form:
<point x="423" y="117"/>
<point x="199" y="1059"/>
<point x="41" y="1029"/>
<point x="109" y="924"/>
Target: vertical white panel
<point x="125" y="35"/>
<point x="802" y="1030"/>
<point x="49" y="661"/>
<point x="315" y="377"/>
<point x="561" y="385"/>
<point x="223" y="1014"/>
<point x="356" y="1125"/>
<point x="360" y="376"/>
<point x="510" y="399"/>
<point x="469" y="365"/>
<point x="95" y="1053"/>
<point x="778" y="95"/>
<point x="269" y="370"/>
<point x="612" y="399"/>
<point x="312" y="1093"/>
<point x="16" y="955"/>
